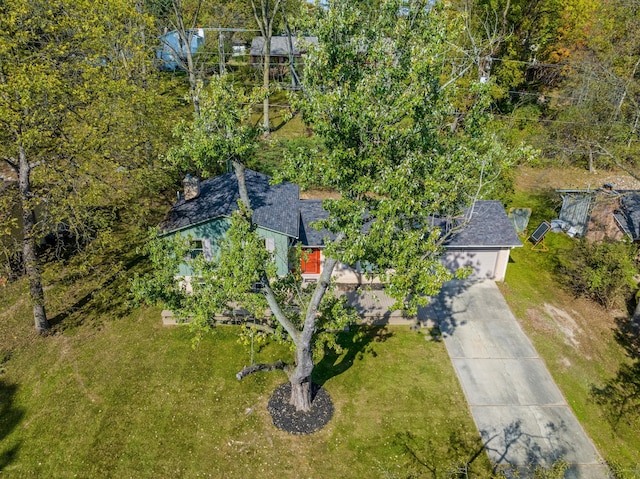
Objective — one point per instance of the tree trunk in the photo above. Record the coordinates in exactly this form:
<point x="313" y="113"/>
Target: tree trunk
<point x="300" y="379"/>
<point x="193" y="83"/>
<point x="242" y="184"/>
<point x="264" y="18"/>
<point x="186" y="37"/>
<point x="32" y="266"/>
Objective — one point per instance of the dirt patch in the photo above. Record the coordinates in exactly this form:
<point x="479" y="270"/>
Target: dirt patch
<point x="539" y="321"/>
<point x="565" y="363"/>
<point x="602" y="224"/>
<point x="565" y="324"/>
<point x="539" y="179"/>
<point x="581" y="324"/>
<point x="6" y="173"/>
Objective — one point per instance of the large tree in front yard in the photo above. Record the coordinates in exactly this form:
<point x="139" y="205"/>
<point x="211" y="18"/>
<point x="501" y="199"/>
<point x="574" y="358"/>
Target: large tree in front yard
<point x="380" y="98"/>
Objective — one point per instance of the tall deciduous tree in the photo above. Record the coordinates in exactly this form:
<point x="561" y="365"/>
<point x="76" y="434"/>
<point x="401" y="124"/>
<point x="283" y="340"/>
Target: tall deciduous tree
<point x="379" y="96"/>
<point x="67" y="69"/>
<point x="600" y="113"/>
<point x="184" y="20"/>
<point x="265" y="12"/>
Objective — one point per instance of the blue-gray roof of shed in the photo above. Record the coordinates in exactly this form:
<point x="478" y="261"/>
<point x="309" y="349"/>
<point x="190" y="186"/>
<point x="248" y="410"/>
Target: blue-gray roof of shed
<point x="275" y="207"/>
<point x="576" y="209"/>
<point x="488" y="226"/>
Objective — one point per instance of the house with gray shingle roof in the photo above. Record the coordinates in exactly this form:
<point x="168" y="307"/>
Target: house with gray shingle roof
<point x="482" y="239"/>
<point x="280" y="47"/>
<point x="205" y="214"/>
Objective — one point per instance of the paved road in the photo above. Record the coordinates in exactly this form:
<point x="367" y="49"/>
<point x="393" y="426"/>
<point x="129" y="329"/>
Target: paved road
<point x="522" y="416"/>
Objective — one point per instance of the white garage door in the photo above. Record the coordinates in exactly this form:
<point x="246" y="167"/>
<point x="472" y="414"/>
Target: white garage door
<point x="482" y="262"/>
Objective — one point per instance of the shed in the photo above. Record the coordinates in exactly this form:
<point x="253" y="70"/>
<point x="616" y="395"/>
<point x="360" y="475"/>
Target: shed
<point x="576" y="208"/>
<point x="280" y="48"/>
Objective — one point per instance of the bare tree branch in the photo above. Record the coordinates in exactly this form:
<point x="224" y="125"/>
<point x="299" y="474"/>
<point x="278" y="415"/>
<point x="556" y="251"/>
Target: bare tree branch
<point x="247" y="370"/>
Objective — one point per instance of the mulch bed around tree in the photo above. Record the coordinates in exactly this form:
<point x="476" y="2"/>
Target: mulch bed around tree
<point x="286" y="417"/>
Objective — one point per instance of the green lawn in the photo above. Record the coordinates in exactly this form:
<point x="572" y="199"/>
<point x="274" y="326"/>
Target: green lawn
<point x="127" y="397"/>
<point x="573" y="335"/>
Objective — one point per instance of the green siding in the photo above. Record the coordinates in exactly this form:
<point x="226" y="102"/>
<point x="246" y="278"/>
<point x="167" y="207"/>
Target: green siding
<point x="215" y="229"/>
<point x="281" y="243"/>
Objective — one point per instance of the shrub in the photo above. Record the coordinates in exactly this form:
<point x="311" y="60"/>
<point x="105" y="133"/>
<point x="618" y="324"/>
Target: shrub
<point x="602" y="271"/>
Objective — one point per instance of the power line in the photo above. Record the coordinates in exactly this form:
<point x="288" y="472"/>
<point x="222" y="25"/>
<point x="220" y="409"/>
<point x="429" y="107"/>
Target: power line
<point x="547" y="120"/>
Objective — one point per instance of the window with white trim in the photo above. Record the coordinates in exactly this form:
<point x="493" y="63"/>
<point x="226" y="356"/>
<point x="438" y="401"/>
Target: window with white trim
<point x="270" y="244"/>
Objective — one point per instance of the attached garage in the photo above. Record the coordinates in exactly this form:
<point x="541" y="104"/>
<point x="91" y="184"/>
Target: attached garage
<point x="484" y="263"/>
<point x="482" y="241"/>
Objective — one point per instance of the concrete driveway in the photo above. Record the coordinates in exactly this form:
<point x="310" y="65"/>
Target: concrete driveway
<point x="522" y="416"/>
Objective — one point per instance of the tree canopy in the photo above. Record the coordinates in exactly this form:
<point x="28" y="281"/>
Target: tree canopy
<point x="75" y="97"/>
<point x="379" y="96"/>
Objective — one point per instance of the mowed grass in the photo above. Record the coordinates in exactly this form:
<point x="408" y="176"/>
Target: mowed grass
<point x="127" y="397"/>
<point x="576" y="337"/>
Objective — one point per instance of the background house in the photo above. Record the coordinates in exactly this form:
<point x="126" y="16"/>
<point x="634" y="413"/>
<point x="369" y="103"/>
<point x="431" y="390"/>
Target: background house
<point x="172" y="52"/>
<point x="281" y="54"/>
<point x="280" y="48"/>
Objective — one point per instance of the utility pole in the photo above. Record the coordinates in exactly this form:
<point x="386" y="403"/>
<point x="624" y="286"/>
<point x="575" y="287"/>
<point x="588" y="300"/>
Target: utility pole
<point x="221" y="52"/>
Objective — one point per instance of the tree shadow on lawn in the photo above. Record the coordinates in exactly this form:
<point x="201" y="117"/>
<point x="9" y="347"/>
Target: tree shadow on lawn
<point x="10" y="417"/>
<point x="621" y="394"/>
<point x="454" y="457"/>
<point x="355" y="344"/>
<point x="108" y="297"/>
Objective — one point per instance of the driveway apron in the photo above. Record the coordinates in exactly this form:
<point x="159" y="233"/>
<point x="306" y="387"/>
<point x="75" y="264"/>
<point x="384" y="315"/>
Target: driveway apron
<point x="521" y="415"/>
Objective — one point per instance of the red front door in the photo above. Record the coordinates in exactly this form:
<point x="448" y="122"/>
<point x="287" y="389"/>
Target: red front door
<point x="310" y="262"/>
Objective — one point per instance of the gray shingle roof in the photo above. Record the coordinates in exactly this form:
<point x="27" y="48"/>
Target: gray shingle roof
<point x="275" y="207"/>
<point x="280" y="45"/>
<point x="489" y="226"/>
<point x="310" y="212"/>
